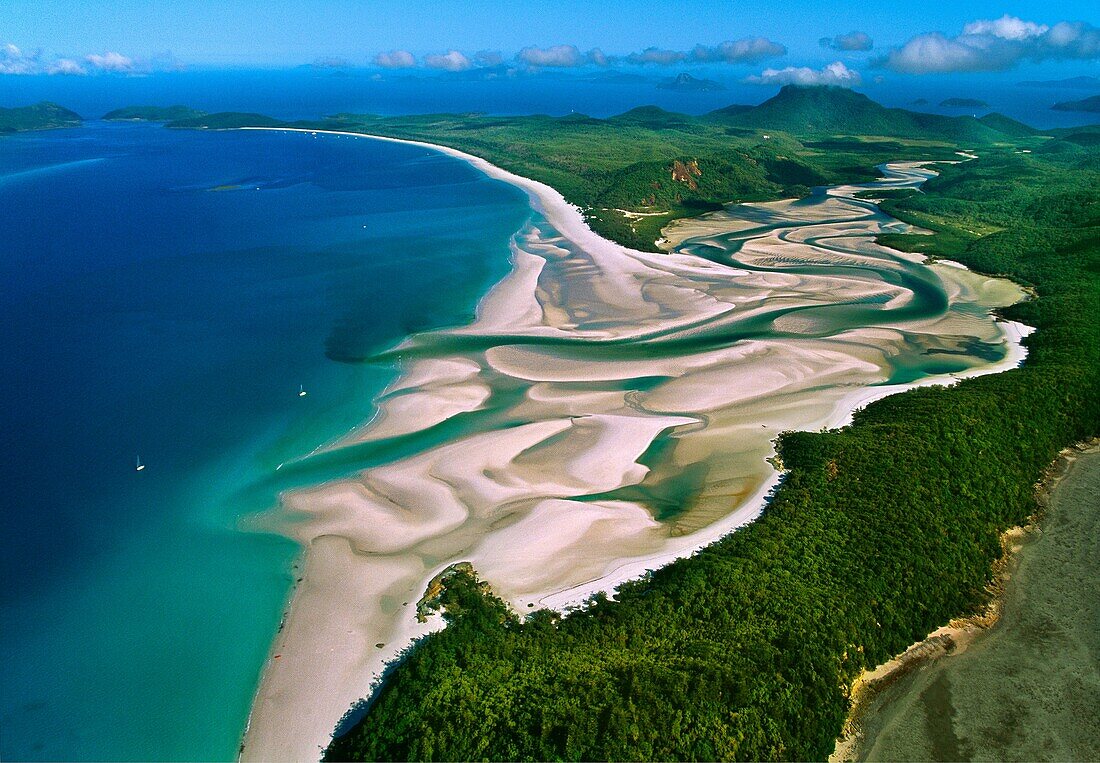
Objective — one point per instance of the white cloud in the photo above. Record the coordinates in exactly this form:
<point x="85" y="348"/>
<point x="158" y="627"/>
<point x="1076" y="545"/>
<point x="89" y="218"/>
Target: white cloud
<point x="935" y="52"/>
<point x="451" y="61"/>
<point x="561" y="57"/>
<point x="557" y="56"/>
<point x="1006" y="27"/>
<point x="395" y="59"/>
<point x="994" y="45"/>
<point x="15" y="61"/>
<point x="850" y="42"/>
<point x="835" y="73"/>
<point x="110" y="62"/>
<point x="65" y="66"/>
<point x="1076" y="39"/>
<point x="749" y="50"/>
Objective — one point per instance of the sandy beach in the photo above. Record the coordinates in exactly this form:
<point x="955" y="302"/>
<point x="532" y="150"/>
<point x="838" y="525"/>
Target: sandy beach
<point x="614" y="410"/>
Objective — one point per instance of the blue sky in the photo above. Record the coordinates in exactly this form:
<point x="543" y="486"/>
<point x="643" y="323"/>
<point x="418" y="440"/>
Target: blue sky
<point x="81" y="36"/>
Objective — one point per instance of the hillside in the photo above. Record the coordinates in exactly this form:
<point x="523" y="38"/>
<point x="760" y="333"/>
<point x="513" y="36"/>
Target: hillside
<point x="834" y="110"/>
<point x="40" y="116"/>
<point x="1007" y="125"/>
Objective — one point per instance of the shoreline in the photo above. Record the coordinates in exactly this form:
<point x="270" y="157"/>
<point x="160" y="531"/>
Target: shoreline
<point x="568" y="220"/>
<point x="960" y="633"/>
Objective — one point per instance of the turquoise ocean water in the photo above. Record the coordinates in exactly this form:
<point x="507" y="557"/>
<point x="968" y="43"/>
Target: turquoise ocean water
<point x="165" y="294"/>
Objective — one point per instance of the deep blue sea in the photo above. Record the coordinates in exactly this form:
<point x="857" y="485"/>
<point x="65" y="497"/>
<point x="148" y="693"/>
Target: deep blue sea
<point x="165" y="295"/>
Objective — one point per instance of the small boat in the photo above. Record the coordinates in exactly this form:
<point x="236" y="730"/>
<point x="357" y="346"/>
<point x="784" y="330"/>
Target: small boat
<point x="139" y="466"/>
<point x="301" y="390"/>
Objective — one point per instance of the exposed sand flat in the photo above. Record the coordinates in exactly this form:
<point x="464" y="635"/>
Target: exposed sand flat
<point x="341" y="648"/>
<point x="427" y="406"/>
<point x="598" y="390"/>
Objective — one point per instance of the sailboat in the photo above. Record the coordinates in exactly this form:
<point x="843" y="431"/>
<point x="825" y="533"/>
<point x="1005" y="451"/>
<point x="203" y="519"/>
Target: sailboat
<point x="301" y="390"/>
<point x="139" y="466"/>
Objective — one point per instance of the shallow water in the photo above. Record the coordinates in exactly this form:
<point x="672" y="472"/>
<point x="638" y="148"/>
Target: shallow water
<point x="1029" y="689"/>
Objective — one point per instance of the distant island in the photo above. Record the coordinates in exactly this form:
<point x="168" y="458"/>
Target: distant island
<point x="964" y="103"/>
<point x="1090" y="105"/>
<point x="152" y="114"/>
<point x="685" y="83"/>
<point x="40" y="116"/>
<point x="618" y="78"/>
<point x="225" y="120"/>
<point x="1078" y="83"/>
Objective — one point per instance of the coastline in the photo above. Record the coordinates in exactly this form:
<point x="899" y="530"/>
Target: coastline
<point x="324" y="578"/>
<point x="960" y="633"/>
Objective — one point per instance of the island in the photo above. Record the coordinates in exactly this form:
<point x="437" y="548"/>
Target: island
<point x="1084" y="82"/>
<point x="964" y="103"/>
<point x="1090" y="105"/>
<point x="685" y="83"/>
<point x="152" y="114"/>
<point x="40" y="116"/>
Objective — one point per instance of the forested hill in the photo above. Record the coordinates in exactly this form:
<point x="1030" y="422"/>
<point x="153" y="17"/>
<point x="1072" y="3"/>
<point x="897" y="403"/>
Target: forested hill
<point x="882" y="532"/>
<point x="40" y="116"/>
<point x="831" y="110"/>
<point x="1090" y="105"/>
<point x="152" y="114"/>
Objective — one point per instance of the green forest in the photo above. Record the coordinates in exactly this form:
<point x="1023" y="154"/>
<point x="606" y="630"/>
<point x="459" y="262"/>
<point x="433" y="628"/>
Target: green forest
<point x="881" y="532"/>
